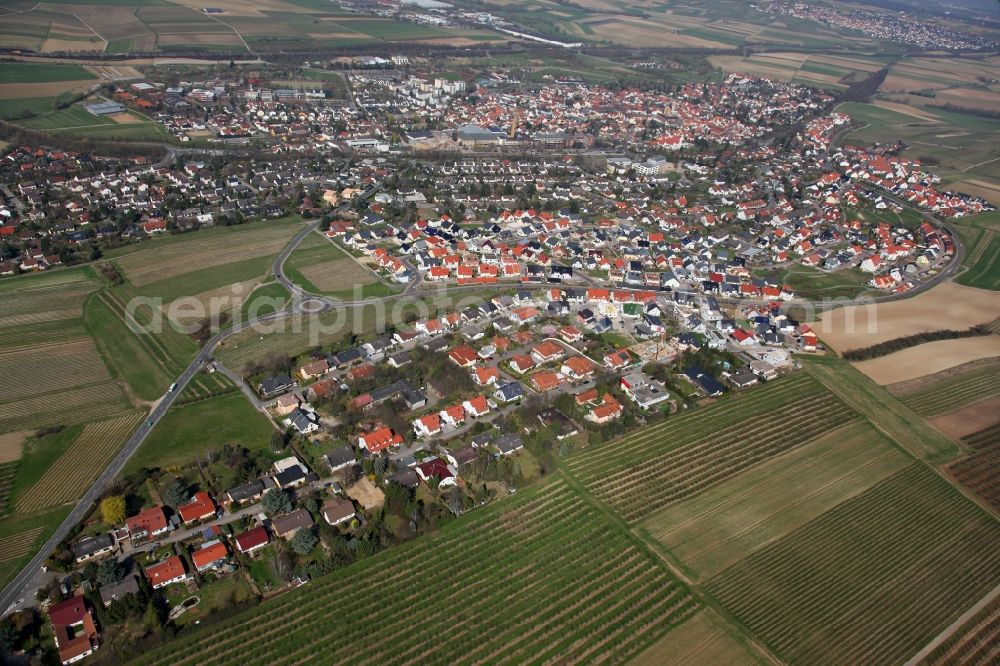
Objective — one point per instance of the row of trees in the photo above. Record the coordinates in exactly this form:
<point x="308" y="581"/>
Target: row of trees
<point x="907" y="341"/>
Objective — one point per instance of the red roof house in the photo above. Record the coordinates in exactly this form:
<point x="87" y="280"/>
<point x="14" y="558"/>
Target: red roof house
<point x="253" y="540"/>
<point x="74" y="629"/>
<point x="166" y="572"/>
<point x="200" y="507"/>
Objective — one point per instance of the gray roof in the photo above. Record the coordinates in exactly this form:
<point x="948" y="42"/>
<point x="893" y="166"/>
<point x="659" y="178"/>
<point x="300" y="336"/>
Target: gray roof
<point x="291" y="521"/>
<point x="128" y="585"/>
<point x="340" y="457"/>
<point x="246" y="491"/>
<point x="90" y="545"/>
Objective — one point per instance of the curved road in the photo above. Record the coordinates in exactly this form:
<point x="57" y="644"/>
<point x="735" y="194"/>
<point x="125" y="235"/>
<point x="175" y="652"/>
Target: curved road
<point x="11" y="597"/>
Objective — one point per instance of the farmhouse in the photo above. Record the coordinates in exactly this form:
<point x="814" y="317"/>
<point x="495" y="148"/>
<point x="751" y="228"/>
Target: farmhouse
<point x="74" y="629"/>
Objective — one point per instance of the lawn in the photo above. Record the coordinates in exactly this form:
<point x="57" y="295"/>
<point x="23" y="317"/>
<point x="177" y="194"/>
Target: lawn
<point x="23" y="72"/>
<point x="564" y="583"/>
<point x="187" y="432"/>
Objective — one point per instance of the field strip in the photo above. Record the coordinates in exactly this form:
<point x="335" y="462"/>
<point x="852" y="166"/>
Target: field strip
<point x="18" y="545"/>
<point x="73" y="472"/>
<point x="981" y="245"/>
<point x="39" y="317"/>
<point x="740" y="497"/>
<point x="65" y="407"/>
<point x="948" y="657"/>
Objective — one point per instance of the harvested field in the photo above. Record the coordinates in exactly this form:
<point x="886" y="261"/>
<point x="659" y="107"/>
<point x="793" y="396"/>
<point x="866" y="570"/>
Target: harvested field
<point x="929" y="358"/>
<point x="716" y="529"/>
<point x="670" y="462"/>
<point x="639" y="33"/>
<point x="979" y="188"/>
<point x="55" y="45"/>
<point x="366" y="493"/>
<point x="701" y="640"/>
<point x="971" y="98"/>
<point x="872" y="580"/>
<point x="213" y="39"/>
<point x="11" y="444"/>
<point x="969" y="419"/>
<point x="567" y="585"/>
<point x="115" y="72"/>
<point x="36" y="369"/>
<point x="69" y="477"/>
<point x="125" y="118"/>
<point x="974" y="644"/>
<point x="337" y="275"/>
<point x="907" y="390"/>
<point x="17" y="546"/>
<point x="946" y="306"/>
<point x="169" y="260"/>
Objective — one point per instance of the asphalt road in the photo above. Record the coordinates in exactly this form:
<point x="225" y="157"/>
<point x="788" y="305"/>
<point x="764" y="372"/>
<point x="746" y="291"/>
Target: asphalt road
<point x="21" y="584"/>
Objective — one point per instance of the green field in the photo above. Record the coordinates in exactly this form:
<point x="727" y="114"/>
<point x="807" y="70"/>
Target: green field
<point x="41" y="73"/>
<point x="686" y="455"/>
<point x="981" y="237"/>
<point x="812" y="284"/>
<point x="719" y="527"/>
<point x="887" y="413"/>
<point x="188" y="431"/>
<point x="964" y="143"/>
<point x="540" y="577"/>
<point x="392" y="30"/>
<point x="870" y="581"/>
<point x="25" y="106"/>
<point x="71" y="118"/>
<point x="147" y="361"/>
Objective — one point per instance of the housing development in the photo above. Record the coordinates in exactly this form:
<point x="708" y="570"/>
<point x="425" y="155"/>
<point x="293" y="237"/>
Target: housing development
<point x="531" y="332"/>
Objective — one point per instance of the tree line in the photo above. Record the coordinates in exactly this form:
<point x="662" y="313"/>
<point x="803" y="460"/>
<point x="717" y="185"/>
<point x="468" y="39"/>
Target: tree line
<point x="907" y="341"/>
